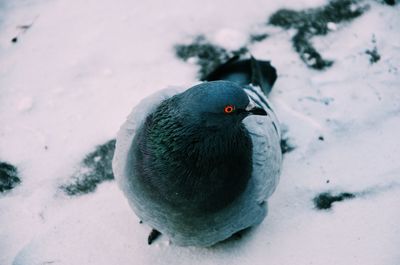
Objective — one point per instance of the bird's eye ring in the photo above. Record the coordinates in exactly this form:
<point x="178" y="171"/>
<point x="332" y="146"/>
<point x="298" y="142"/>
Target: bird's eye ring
<point x="229" y="109"/>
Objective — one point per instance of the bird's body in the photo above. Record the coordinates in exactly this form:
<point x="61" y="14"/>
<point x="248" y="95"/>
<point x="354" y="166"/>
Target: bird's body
<point x="193" y="174"/>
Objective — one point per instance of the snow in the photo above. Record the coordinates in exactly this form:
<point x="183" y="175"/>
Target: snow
<point x="75" y="74"/>
<point x="331" y="26"/>
<point x="25" y="104"/>
<point x="230" y="39"/>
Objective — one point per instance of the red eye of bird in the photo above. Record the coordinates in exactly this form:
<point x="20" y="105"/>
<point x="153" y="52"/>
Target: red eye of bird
<point x="229" y="109"/>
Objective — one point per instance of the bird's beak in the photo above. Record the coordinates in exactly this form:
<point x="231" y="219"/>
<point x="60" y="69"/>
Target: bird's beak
<point x="253" y="109"/>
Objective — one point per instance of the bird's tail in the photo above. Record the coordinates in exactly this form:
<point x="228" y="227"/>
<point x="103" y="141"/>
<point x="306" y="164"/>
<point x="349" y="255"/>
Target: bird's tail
<point x="246" y="72"/>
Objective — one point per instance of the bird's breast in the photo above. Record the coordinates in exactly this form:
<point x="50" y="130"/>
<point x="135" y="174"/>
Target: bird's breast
<point x="197" y="174"/>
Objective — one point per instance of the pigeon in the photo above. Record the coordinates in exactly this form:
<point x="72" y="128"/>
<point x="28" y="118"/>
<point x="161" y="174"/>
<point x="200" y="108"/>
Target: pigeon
<point x="199" y="164"/>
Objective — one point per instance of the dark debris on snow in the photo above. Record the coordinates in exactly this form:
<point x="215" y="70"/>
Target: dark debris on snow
<point x="374" y="56"/>
<point x="325" y="200"/>
<point x="95" y="168"/>
<point x="313" y="22"/>
<point x="8" y="177"/>
<point x="286" y="145"/>
<point x="207" y="55"/>
<point x="258" y="37"/>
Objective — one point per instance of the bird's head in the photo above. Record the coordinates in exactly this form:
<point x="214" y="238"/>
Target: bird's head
<point x="218" y="104"/>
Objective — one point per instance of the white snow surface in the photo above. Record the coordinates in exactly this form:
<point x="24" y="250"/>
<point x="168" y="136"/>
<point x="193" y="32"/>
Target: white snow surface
<point x="73" y="77"/>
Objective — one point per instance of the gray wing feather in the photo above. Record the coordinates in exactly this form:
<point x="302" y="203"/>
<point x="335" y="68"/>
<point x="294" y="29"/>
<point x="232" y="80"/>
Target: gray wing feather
<point x="267" y="155"/>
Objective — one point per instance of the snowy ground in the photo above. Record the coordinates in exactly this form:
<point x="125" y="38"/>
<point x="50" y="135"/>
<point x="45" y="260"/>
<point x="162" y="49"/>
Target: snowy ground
<point x="69" y="81"/>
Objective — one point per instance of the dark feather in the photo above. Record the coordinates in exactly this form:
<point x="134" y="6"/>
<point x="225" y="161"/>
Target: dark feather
<point x="245" y="72"/>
